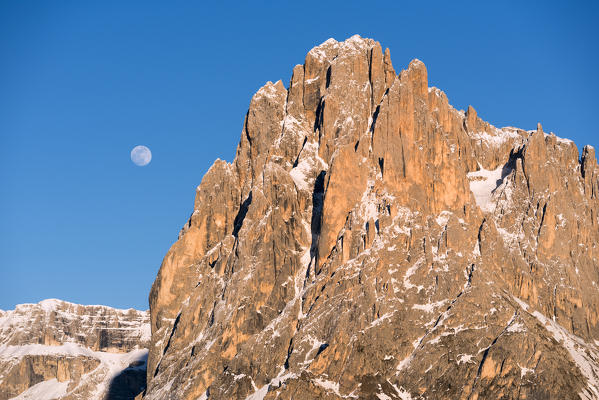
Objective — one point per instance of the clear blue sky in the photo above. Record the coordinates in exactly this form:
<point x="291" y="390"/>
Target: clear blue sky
<point x="82" y="83"/>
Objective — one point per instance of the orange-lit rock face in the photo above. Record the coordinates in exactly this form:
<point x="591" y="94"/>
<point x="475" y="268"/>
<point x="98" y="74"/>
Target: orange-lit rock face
<point x="370" y="240"/>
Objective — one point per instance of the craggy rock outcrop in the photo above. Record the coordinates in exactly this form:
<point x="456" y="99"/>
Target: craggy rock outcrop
<point x="371" y="241"/>
<point x="60" y="350"/>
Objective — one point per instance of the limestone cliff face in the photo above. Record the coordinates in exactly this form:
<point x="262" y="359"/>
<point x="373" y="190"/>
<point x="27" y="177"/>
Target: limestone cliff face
<point x="371" y="241"/>
<point x="60" y="350"/>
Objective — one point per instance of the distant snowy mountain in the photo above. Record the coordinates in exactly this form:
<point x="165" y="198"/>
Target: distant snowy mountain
<point x="59" y="350"/>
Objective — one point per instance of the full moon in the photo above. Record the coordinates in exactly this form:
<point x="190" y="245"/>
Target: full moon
<point x="141" y="155"/>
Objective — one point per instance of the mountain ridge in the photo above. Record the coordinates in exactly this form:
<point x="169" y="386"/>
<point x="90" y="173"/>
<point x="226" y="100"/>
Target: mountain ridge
<point x="58" y="349"/>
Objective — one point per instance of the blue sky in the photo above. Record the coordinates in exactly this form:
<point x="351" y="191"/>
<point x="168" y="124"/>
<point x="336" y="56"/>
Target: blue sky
<point x="82" y="83"/>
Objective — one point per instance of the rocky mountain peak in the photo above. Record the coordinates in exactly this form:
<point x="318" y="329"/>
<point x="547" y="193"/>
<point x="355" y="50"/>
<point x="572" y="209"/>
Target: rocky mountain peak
<point x="371" y="240"/>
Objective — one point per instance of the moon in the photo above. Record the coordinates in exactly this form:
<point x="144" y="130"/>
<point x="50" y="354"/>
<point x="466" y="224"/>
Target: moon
<point x="141" y="156"/>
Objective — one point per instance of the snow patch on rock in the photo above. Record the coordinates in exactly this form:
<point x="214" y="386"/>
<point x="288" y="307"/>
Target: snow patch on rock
<point x="46" y="390"/>
<point x="482" y="184"/>
<point x="500" y="137"/>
